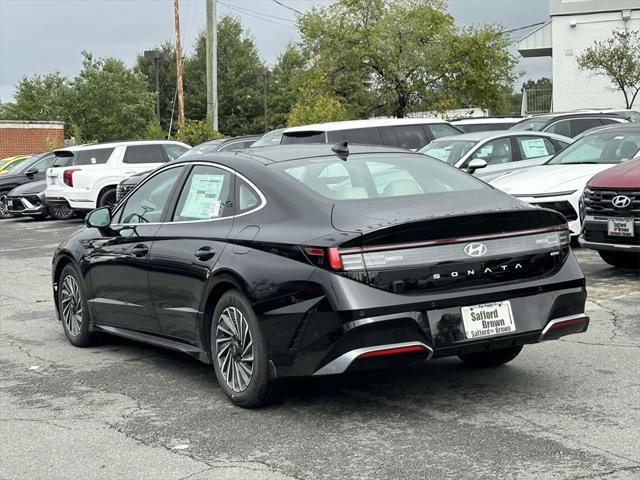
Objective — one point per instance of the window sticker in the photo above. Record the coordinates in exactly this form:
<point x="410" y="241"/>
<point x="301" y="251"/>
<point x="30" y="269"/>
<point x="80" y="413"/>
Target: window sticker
<point x="534" y="147"/>
<point x="203" y="200"/>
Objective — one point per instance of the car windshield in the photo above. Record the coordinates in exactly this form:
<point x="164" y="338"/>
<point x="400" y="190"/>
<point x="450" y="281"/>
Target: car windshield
<point x="203" y="148"/>
<point x="364" y="176"/>
<point x="533" y="124"/>
<point x="19" y="165"/>
<point x="268" y="139"/>
<point x="606" y="147"/>
<point x="449" y="151"/>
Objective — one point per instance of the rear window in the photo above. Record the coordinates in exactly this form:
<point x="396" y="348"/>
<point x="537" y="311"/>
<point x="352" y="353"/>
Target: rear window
<point x="531" y="124"/>
<point x="63" y="159"/>
<point x="378" y="176"/>
<point x="484" y="127"/>
<point x="93" y="156"/>
<point x="144" y="154"/>
<point x="303" y="137"/>
<point x="174" y="151"/>
<point x="442" y="130"/>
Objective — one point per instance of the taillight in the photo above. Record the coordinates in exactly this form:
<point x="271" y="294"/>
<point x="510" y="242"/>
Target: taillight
<point x="67" y="176"/>
<point x="335" y="261"/>
<point x="324" y="257"/>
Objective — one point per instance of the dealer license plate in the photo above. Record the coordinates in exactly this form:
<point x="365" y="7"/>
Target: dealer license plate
<point x="488" y="319"/>
<point x="620" y="227"/>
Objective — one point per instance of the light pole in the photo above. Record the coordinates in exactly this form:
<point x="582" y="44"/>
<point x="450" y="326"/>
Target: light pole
<point x="265" y="74"/>
<point x="156" y="55"/>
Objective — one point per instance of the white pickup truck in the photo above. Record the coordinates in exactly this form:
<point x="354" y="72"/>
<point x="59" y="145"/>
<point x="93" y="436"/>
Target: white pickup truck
<point x="85" y="177"/>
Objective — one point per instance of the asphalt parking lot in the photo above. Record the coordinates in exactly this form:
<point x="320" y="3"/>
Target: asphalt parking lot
<point x="568" y="409"/>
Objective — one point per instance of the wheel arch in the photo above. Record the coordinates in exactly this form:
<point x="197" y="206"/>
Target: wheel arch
<point x="104" y="189"/>
<point x="62" y="261"/>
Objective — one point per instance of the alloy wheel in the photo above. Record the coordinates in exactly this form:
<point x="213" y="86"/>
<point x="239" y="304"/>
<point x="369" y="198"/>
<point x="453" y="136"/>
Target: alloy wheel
<point x="235" y="349"/>
<point x="71" y="305"/>
<point x="61" y="212"/>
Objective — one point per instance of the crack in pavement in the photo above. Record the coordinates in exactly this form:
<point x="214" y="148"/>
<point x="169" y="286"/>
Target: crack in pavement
<point x="596" y="344"/>
<point x="607" y="473"/>
<point x="35" y="420"/>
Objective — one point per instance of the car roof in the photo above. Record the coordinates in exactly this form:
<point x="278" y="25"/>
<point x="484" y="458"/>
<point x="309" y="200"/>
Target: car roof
<point x="283" y="153"/>
<point x="93" y="146"/>
<point x="483" y="120"/>
<point x="616" y="127"/>
<point x="553" y="116"/>
<point x="349" y="124"/>
<point x="487" y="135"/>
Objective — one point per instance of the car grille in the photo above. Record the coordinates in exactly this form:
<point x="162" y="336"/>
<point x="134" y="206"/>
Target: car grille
<point x="562" y="207"/>
<point x="122" y="191"/>
<point x="15" y="204"/>
<point x="599" y="202"/>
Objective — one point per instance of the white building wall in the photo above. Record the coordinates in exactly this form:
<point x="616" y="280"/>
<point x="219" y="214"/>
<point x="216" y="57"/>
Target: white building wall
<point x="574" y="88"/>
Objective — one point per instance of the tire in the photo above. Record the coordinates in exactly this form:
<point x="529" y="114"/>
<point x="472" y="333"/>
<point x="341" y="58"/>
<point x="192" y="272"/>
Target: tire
<point x="621" y="259"/>
<point x="234" y="319"/>
<point x="493" y="358"/>
<point x="4" y="208"/>
<point x="73" y="308"/>
<point x="107" y="198"/>
<point x="61" y="212"/>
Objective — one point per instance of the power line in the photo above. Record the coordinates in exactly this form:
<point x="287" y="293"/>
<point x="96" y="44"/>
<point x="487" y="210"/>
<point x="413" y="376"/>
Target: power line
<point x="287" y="7"/>
<point x="248" y="11"/>
<point x="522" y="28"/>
<point x="230" y="7"/>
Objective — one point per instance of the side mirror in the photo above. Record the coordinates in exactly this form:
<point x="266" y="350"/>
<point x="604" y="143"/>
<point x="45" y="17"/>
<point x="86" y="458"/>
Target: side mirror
<point x="475" y="164"/>
<point x="31" y="172"/>
<point x="99" y="218"/>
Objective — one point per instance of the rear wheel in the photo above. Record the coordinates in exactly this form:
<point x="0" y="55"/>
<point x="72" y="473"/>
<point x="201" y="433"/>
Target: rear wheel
<point x="61" y="212"/>
<point x="238" y="352"/>
<point x="72" y="305"/>
<point x="621" y="259"/>
<point x="492" y="358"/>
<point x="107" y="198"/>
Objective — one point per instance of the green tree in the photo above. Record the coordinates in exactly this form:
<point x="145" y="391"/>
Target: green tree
<point x="41" y="97"/>
<point x="389" y="56"/>
<point x="288" y="75"/>
<point x="197" y="131"/>
<point x="110" y="101"/>
<point x="617" y="58"/>
<point x="239" y="85"/>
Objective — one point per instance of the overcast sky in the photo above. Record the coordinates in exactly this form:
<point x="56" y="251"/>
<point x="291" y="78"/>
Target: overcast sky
<point x="40" y="36"/>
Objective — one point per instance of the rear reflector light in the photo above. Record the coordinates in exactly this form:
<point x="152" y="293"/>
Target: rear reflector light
<point x="316" y="252"/>
<point x="392" y="351"/>
<point x="67" y="176"/>
<point x="567" y="323"/>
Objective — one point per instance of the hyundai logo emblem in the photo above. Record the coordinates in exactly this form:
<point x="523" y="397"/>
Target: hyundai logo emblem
<point x="475" y="249"/>
<point x="621" y="201"/>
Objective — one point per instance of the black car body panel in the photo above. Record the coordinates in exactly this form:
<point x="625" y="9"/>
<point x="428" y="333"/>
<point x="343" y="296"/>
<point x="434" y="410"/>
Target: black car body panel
<point x="28" y="200"/>
<point x="313" y="314"/>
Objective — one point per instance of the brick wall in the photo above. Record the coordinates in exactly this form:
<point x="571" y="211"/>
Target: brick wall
<point x="22" y="137"/>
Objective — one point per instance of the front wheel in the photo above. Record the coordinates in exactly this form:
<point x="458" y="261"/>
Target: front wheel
<point x="621" y="259"/>
<point x="4" y="207"/>
<point x="238" y="352"/>
<point x="107" y="198"/>
<point x="493" y="358"/>
<point x="73" y="308"/>
<point x="61" y="212"/>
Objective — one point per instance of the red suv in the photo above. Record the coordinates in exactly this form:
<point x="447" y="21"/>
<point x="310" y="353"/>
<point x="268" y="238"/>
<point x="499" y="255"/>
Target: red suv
<point x="610" y="209"/>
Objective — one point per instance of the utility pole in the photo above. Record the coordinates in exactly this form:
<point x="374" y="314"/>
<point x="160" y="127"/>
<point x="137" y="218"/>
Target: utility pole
<point x="176" y="15"/>
<point x="211" y="38"/>
<point x="156" y="56"/>
<point x="265" y="74"/>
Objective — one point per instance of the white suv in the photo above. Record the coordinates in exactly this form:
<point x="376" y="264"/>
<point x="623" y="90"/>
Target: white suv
<point x="86" y="176"/>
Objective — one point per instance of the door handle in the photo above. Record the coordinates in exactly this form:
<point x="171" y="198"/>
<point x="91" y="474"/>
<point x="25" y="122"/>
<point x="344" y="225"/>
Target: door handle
<point x="204" y="253"/>
<point x="140" y="250"/>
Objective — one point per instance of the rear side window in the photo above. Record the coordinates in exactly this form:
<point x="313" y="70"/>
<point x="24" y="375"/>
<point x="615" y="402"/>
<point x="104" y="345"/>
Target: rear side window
<point x="582" y="124"/>
<point x="235" y="146"/>
<point x="534" y="147"/>
<point x="206" y="195"/>
<point x="442" y="130"/>
<point x="144" y="154"/>
<point x="412" y="137"/>
<point x="563" y="127"/>
<point x="303" y="137"/>
<point x="366" y="136"/>
<point x="248" y="198"/>
<point x="93" y="156"/>
<point x="173" y="151"/>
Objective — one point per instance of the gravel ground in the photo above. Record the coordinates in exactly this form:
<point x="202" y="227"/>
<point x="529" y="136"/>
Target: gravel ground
<point x="568" y="409"/>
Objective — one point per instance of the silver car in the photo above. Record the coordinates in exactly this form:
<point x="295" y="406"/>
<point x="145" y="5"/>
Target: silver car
<point x="491" y="154"/>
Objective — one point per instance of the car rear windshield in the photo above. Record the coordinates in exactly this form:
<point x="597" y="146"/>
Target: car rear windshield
<point x="378" y="175"/>
<point x="449" y="151"/>
<point x="311" y="136"/>
<point x="606" y="147"/>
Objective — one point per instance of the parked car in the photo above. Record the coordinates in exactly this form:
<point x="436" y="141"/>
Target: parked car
<point x="30" y="170"/>
<point x="224" y="144"/>
<point x="632" y="116"/>
<point x="8" y="162"/>
<point x="491" y="154"/>
<point x="274" y="137"/>
<point x="410" y="133"/>
<point x="316" y="260"/>
<point x="485" y="124"/>
<point x="29" y="200"/>
<point x="568" y="124"/>
<point x="611" y="215"/>
<point x="558" y="184"/>
<point x="91" y="173"/>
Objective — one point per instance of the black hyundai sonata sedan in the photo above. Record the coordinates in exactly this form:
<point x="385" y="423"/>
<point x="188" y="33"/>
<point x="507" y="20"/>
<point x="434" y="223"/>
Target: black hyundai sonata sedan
<point x="317" y="260"/>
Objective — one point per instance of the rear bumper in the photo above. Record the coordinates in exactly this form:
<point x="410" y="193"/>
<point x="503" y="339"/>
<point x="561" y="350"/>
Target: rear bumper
<point x="76" y="198"/>
<point x="331" y="339"/>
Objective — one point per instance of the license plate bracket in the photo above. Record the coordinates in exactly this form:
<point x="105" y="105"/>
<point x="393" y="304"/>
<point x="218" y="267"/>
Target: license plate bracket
<point x="488" y="319"/>
<point x="620" y="227"/>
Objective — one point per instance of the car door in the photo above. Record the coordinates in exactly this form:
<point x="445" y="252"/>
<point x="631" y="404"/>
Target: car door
<point x="187" y="248"/>
<point x="117" y="262"/>
<point x="495" y="152"/>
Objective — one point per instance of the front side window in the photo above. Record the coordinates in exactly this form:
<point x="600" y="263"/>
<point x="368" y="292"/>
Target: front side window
<point x="144" y="154"/>
<point x="495" y="152"/>
<point x="365" y="136"/>
<point x="411" y="137"/>
<point x="605" y="147"/>
<point x="563" y="127"/>
<point x="439" y="130"/>
<point x="378" y="176"/>
<point x="531" y="124"/>
<point x="207" y="194"/>
<point x="93" y="157"/>
<point x="148" y="202"/>
<point x="534" y="147"/>
<point x="174" y="151"/>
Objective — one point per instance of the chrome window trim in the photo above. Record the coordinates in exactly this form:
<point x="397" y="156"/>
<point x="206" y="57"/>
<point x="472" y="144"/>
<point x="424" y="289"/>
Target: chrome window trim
<point x="263" y="200"/>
